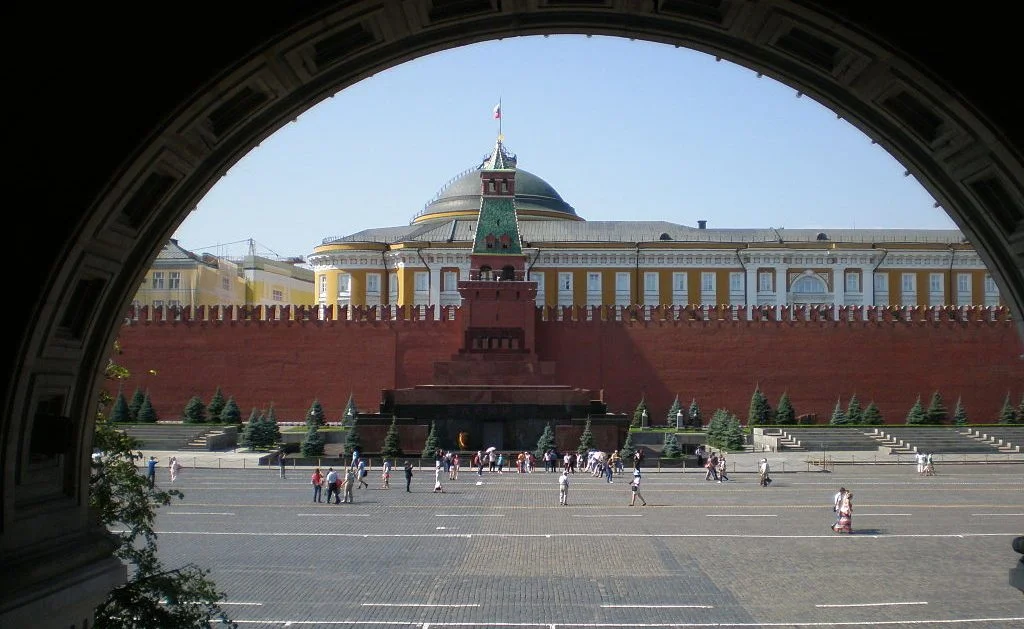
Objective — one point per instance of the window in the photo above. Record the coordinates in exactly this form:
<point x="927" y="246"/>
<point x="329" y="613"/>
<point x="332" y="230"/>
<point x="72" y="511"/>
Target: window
<point x="736" y="282"/>
<point x="935" y="282"/>
<point x="991" y="291"/>
<point x="450" y="281"/>
<point x="621" y="282"/>
<point x="174" y="304"/>
<point x="565" y="281"/>
<point x="421" y="281"/>
<point x="373" y="283"/>
<point x="808" y="284"/>
<point x="881" y="283"/>
<point x="158" y="280"/>
<point x="909" y="282"/>
<point x="707" y="282"/>
<point x="323" y="284"/>
<point x="963" y="289"/>
<point x="936" y="289"/>
<point x="277" y="295"/>
<point x="853" y="282"/>
<point x="158" y="303"/>
<point x="593" y="282"/>
<point x="174" y="280"/>
<point x="764" y="282"/>
<point x="393" y="288"/>
<point x="539" y="278"/>
<point x="504" y="186"/>
<point x="344" y="283"/>
<point x="650" y="282"/>
<point x="679" y="282"/>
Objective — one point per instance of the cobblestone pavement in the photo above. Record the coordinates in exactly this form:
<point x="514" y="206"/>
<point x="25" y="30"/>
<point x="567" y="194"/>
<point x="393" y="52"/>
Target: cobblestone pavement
<point x="499" y="551"/>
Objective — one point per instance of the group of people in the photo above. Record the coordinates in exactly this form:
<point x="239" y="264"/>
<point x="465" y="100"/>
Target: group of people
<point x="925" y="465"/>
<point x="714" y="463"/>
<point x="173" y="467"/>
<point x="842" y="505"/>
<point x="634" y="486"/>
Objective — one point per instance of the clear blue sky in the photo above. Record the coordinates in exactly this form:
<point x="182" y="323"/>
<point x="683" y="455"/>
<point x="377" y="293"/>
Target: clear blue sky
<point x="622" y="129"/>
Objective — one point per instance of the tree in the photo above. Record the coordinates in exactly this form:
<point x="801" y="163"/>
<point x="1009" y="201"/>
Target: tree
<point x="147" y="414"/>
<point x="586" y="440"/>
<point x="430" y="445"/>
<point x="670" y="449"/>
<point x="546" y="442"/>
<point x="960" y="414"/>
<point x="873" y="416"/>
<point x="1020" y="409"/>
<point x="916" y="416"/>
<point x="313" y="442"/>
<point x="270" y="432"/>
<point x="854" y="413"/>
<point x="626" y="451"/>
<point x="717" y="427"/>
<point x="216" y="405"/>
<point x="838" y="415"/>
<point x="733" y="434"/>
<point x="195" y="411"/>
<point x="391" y="447"/>
<point x="348" y="417"/>
<point x="638" y="413"/>
<point x="670" y="417"/>
<point x="1007" y="414"/>
<point x="122" y="500"/>
<point x="120" y="413"/>
<point x="137" y="399"/>
<point x="784" y="413"/>
<point x="231" y="414"/>
<point x="760" y="410"/>
<point x="250" y="435"/>
<point x="695" y="417"/>
<point x="352" y="442"/>
<point x="315" y="416"/>
<point x="936" y="413"/>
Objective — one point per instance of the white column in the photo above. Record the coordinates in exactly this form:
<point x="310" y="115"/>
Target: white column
<point x="751" y="289"/>
<point x="434" y="297"/>
<point x="838" y="289"/>
<point x="781" y="286"/>
<point x="867" y="286"/>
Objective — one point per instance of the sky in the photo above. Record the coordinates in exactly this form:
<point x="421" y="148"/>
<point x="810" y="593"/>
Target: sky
<point x="623" y="130"/>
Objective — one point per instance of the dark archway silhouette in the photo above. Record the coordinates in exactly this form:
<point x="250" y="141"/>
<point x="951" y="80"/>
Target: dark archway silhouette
<point x="121" y="130"/>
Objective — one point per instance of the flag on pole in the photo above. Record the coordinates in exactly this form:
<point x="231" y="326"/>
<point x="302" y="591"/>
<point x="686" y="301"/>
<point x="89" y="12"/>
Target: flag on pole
<point x="497" y="111"/>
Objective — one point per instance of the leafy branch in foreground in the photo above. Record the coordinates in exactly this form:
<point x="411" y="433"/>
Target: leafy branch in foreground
<point x="119" y="495"/>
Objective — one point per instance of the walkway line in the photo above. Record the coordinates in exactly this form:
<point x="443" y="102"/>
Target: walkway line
<point x="469" y="515"/>
<point x="873" y="604"/>
<point x="198" y="513"/>
<point x="661" y="606"/>
<point x="740" y="515"/>
<point x="860" y="515"/>
<point x="632" y="625"/>
<point x="610" y="515"/>
<point x="420" y="605"/>
<point x="629" y="534"/>
<point x="997" y="514"/>
<point x="240" y="604"/>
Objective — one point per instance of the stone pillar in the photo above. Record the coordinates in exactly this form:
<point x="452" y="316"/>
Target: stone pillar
<point x="867" y="286"/>
<point x="751" y="291"/>
<point x="434" y="296"/>
<point x="781" y="286"/>
<point x="838" y="290"/>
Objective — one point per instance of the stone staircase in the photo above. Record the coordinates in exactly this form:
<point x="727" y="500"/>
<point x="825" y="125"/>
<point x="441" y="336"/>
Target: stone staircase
<point x="174" y="437"/>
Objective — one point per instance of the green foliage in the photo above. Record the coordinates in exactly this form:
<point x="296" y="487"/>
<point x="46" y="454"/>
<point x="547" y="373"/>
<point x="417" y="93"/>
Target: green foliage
<point x="936" y="413"/>
<point x="313" y="442"/>
<point x="270" y="432"/>
<point x="638" y="413"/>
<point x="626" y="451"/>
<point x="261" y="431"/>
<point x="670" y="417"/>
<point x="916" y="416"/>
<point x="391" y="447"/>
<point x="717" y="427"/>
<point x="136" y="403"/>
<point x="695" y="417"/>
<point x="250" y="435"/>
<point x="586" y="440"/>
<point x="271" y="414"/>
<point x="854" y="413"/>
<point x="760" y="411"/>
<point x="784" y="413"/>
<point x="1007" y="414"/>
<point x="348" y="416"/>
<point x="1020" y="409"/>
<point x="839" y="417"/>
<point x="195" y="411"/>
<point x="315" y="416"/>
<point x="147" y="414"/>
<point x="120" y="413"/>
<point x="960" y="414"/>
<point x="430" y="445"/>
<point x="231" y="414"/>
<point x="216" y="405"/>
<point x="872" y="416"/>
<point x="733" y="434"/>
<point x="545" y="442"/>
<point x="352" y="441"/>
<point x="670" y="449"/>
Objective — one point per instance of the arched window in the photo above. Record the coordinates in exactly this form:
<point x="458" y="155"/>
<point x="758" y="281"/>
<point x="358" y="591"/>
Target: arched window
<point x="485" y="272"/>
<point x="508" y="273"/>
<point x="809" y="284"/>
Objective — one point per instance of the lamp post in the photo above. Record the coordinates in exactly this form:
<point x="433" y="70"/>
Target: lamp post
<point x="643" y="419"/>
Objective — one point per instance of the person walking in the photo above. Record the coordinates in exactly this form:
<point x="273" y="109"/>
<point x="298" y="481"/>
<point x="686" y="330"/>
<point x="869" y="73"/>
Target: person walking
<point x="845" y="522"/>
<point x="634" y="487"/>
<point x="281" y="462"/>
<point x="151" y="471"/>
<point x="348" y="485"/>
<point x="385" y="474"/>
<point x="762" y="473"/>
<point x="920" y="459"/>
<point x="317" y="480"/>
<point x="453" y="473"/>
<point x="408" y="475"/>
<point x="437" y="478"/>
<point x="563" y="488"/>
<point x="929" y="465"/>
<point x="722" y="468"/>
<point x="332" y="486"/>
<point x="174" y="466"/>
<point x="837" y="501"/>
<point x="361" y="467"/>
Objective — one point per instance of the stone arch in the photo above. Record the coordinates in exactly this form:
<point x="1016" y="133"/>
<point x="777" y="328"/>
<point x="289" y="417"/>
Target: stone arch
<point x="142" y="171"/>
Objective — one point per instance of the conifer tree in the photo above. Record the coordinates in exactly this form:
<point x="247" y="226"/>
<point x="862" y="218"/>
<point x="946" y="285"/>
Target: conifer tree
<point x="313" y="442"/>
<point x="391" y="447"/>
<point x="216" y="405"/>
<point x="670" y="448"/>
<point x="147" y="414"/>
<point x="430" y="445"/>
<point x="231" y="414"/>
<point x="626" y="451"/>
<point x="872" y="416"/>
<point x="195" y="411"/>
<point x="854" y="413"/>
<point x="717" y="427"/>
<point x="269" y="431"/>
<point x="271" y="414"/>
<point x="545" y="442"/>
<point x="838" y="415"/>
<point x="936" y="413"/>
<point x="250" y="435"/>
<point x="348" y="417"/>
<point x="784" y="413"/>
<point x="586" y="440"/>
<point x="316" y="416"/>
<point x="670" y="418"/>
<point x="1020" y="409"/>
<point x="960" y="414"/>
<point x="733" y="434"/>
<point x="120" y="413"/>
<point x="136" y="403"/>
<point x="1007" y="414"/>
<point x="916" y="416"/>
<point x="638" y="413"/>
<point x="695" y="417"/>
<point x="760" y="410"/>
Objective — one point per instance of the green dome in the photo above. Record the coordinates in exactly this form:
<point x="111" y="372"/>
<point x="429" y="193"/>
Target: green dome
<point x="533" y="196"/>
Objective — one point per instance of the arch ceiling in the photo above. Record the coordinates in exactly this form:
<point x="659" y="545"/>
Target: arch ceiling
<point x="121" y="131"/>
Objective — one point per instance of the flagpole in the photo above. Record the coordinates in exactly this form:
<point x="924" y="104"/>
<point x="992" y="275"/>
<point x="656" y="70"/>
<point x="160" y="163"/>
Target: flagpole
<point x="499" y="116"/>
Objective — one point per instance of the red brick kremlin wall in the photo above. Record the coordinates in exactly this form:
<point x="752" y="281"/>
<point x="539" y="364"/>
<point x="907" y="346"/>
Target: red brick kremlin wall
<point x="716" y="360"/>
